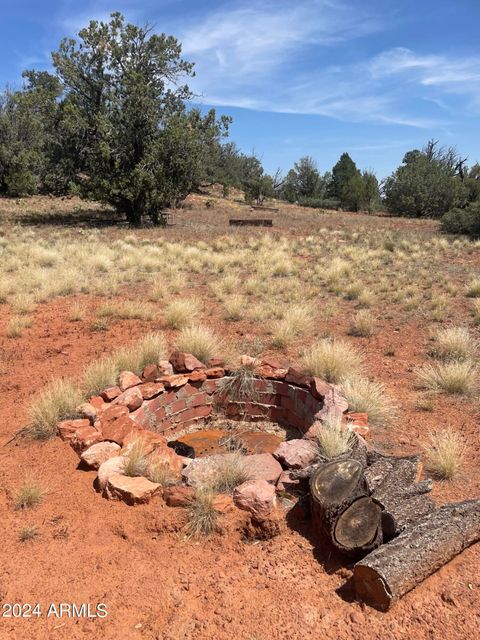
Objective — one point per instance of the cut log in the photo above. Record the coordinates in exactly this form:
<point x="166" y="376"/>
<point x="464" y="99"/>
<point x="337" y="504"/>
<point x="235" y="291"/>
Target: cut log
<point x="396" y="517"/>
<point x="358" y="452"/>
<point x="395" y="568"/>
<point x="341" y="509"/>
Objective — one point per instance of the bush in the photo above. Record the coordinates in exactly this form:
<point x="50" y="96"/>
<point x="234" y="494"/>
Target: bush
<point x="332" y="360"/>
<point x="369" y="396"/>
<point x="458" y="377"/>
<point x="56" y="402"/>
<point x="466" y="221"/>
<point x="445" y="453"/>
<point x="199" y="341"/>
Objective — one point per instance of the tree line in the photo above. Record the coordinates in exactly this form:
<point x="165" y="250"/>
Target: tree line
<point x="113" y="124"/>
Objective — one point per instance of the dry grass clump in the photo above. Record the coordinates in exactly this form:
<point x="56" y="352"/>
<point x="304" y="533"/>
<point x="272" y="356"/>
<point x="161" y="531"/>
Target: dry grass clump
<point x="29" y="494"/>
<point x="16" y="325"/>
<point x="444" y="453"/>
<point x="199" y="341"/>
<point x="202" y="515"/>
<point x="476" y="311"/>
<point x="23" y="303"/>
<point x="136" y="463"/>
<point x="230" y="471"/>
<point x="180" y="313"/>
<point x="364" y="395"/>
<point x="453" y="343"/>
<point x="56" y="402"/>
<point x="28" y="533"/>
<point x="473" y="288"/>
<point x="294" y="322"/>
<point x="99" y="375"/>
<point x="333" y="439"/>
<point x="239" y="385"/>
<point x="234" y="306"/>
<point x="363" y="325"/>
<point x="128" y="310"/>
<point x="77" y="312"/>
<point x="332" y="360"/>
<point x="149" y="349"/>
<point x="161" y="474"/>
<point x="456" y="377"/>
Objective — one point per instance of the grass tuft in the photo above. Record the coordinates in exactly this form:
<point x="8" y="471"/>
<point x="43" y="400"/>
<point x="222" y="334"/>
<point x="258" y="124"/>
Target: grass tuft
<point x="199" y="341"/>
<point x="363" y="324"/>
<point x="333" y="439"/>
<point x="364" y="395"/>
<point x="202" y="515"/>
<point x="180" y="313"/>
<point x="444" y="453"/>
<point x="332" y="360"/>
<point x="455" y="377"/>
<point x="55" y="403"/>
<point x="453" y="343"/>
<point x="28" y="533"/>
<point x="29" y="494"/>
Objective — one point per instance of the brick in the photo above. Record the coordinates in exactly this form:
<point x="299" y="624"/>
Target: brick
<point x="268" y="398"/>
<point x="263" y="386"/>
<point x="175" y="407"/>
<point x="195" y="413"/>
<point x="277" y="413"/>
<point x="187" y="391"/>
<point x="282" y="388"/>
<point x="210" y="386"/>
<point x="164" y="425"/>
<point x="198" y="400"/>
<point x="296" y="421"/>
<point x="287" y="403"/>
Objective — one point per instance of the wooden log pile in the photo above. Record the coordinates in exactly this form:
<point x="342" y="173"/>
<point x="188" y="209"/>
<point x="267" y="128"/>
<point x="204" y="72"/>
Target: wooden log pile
<point x="374" y="508"/>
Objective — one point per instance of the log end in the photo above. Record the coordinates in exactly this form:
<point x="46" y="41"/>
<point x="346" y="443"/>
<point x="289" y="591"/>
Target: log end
<point x="371" y="588"/>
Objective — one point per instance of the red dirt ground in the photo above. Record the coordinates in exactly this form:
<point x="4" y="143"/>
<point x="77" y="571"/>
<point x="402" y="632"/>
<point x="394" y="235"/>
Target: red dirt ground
<point x="158" y="585"/>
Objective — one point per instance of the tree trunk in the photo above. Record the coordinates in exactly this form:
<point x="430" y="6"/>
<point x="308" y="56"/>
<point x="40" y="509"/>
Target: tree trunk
<point x="395" y="568"/>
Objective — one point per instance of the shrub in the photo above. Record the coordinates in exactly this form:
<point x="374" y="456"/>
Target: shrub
<point x="28" y="533"/>
<point x="368" y="396"/>
<point x="202" y="515"/>
<point x="228" y="473"/>
<point x="363" y="325"/>
<point x="136" y="463"/>
<point x="56" y="402"/>
<point x="465" y="221"/>
<point x="456" y="377"/>
<point x="199" y="341"/>
<point x="99" y="375"/>
<point x="234" y="306"/>
<point x="180" y="313"/>
<point x="473" y="289"/>
<point x="445" y="453"/>
<point x="29" y="495"/>
<point x="333" y="439"/>
<point x="332" y="360"/>
<point x="453" y="343"/>
<point x="239" y="385"/>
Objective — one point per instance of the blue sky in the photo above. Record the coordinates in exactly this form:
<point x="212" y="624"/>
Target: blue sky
<point x="300" y="77"/>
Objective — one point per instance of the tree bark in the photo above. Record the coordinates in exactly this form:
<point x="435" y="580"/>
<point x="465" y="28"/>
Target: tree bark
<point x="395" y="568"/>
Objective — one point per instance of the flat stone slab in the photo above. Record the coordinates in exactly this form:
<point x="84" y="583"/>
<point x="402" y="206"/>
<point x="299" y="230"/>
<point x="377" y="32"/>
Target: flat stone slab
<point x="134" y="490"/>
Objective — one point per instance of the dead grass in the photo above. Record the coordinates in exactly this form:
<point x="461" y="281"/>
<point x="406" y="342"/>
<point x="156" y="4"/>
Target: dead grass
<point x="230" y="472"/>
<point x="199" y="341"/>
<point x="16" y="325"/>
<point x="28" y="533"/>
<point x="445" y="452"/>
<point x="180" y="314"/>
<point x="332" y="360"/>
<point x="29" y="494"/>
<point x="454" y="377"/>
<point x="201" y="514"/>
<point x="56" y="402"/>
<point x="136" y="463"/>
<point x="364" y="395"/>
<point x="333" y="439"/>
<point x="363" y="324"/>
<point x="454" y="343"/>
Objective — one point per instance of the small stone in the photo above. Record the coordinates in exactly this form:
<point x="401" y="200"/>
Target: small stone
<point x="98" y="402"/>
<point x="268" y="372"/>
<point x="149" y="440"/>
<point x="215" y="362"/>
<point x="150" y="373"/>
<point x="173" y="381"/>
<point x="298" y="376"/>
<point x="197" y="376"/>
<point x="248" y="361"/>
<point x="263" y="466"/>
<point x="98" y="453"/>
<point x="131" y="398"/>
<point x="185" y="362"/>
<point x="110" y="393"/>
<point x="178" y="496"/>
<point x="134" y="490"/>
<point x="150" y="389"/>
<point x="319" y="388"/>
<point x="165" y="368"/>
<point x="222" y="502"/>
<point x="66" y="429"/>
<point x="256" y="496"/>
<point x="108" y="468"/>
<point x="112" y="412"/>
<point x="297" y="454"/>
<point x="87" y="411"/>
<point x="215" y="372"/>
<point x="117" y="430"/>
<point x="128" y="379"/>
<point x="84" y="438"/>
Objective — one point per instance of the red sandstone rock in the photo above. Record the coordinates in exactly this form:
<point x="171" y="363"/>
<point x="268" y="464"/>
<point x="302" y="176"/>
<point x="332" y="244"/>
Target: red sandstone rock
<point x="110" y="393"/>
<point x="215" y="372"/>
<point x="117" y="430"/>
<point x="178" y="496"/>
<point x="151" y="389"/>
<point x="272" y="361"/>
<point x="150" y="441"/>
<point x="165" y="368"/>
<point x="222" y="502"/>
<point x="215" y="362"/>
<point x="256" y="496"/>
<point x="84" y="438"/>
<point x="297" y="454"/>
<point x="266" y="371"/>
<point x="197" y="376"/>
<point x="97" y="402"/>
<point x="248" y="361"/>
<point x="67" y="428"/>
<point x="295" y="375"/>
<point x="263" y="466"/>
<point x="87" y="411"/>
<point x="131" y="398"/>
<point x="285" y="482"/>
<point x="173" y="381"/>
<point x="108" y="468"/>
<point x="320" y="388"/>
<point x="334" y="403"/>
<point x="98" y="453"/>
<point x="165" y="456"/>
<point x="357" y="418"/>
<point x="185" y="362"/>
<point x="150" y="373"/>
<point x="135" y="490"/>
<point x="112" y="412"/>
<point x="128" y="379"/>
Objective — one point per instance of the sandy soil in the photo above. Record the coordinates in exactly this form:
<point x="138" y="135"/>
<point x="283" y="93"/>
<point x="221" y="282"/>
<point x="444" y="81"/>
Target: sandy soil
<point x="136" y="560"/>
